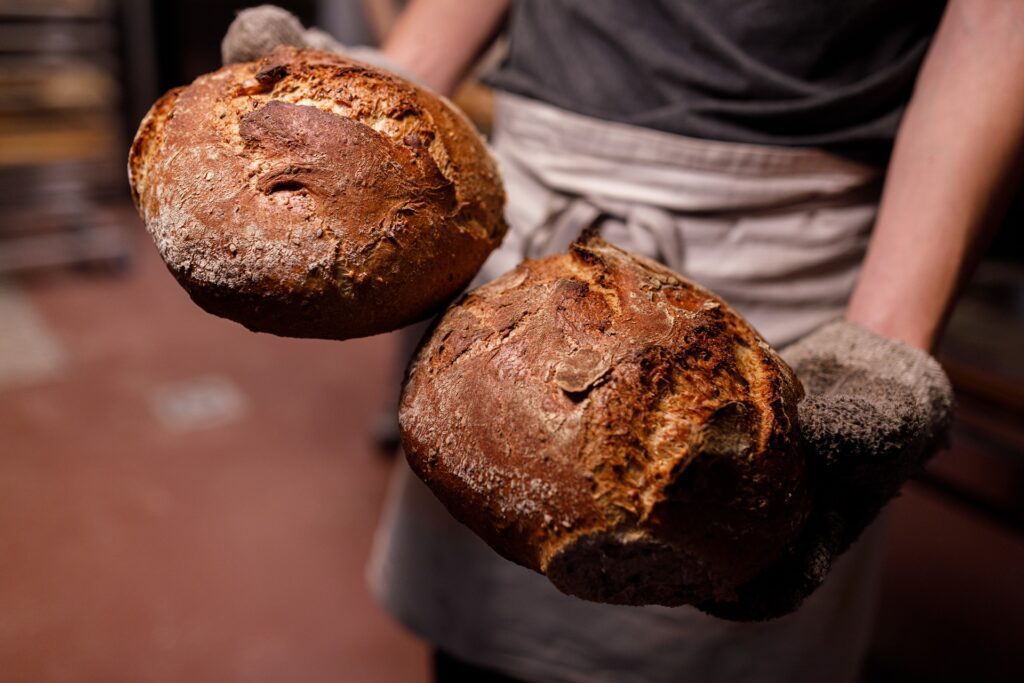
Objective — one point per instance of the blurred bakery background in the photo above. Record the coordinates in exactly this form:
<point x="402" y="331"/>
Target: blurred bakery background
<point x="181" y="499"/>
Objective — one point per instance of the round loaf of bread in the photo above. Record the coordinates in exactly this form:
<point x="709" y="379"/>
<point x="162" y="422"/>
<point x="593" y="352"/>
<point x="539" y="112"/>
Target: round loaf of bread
<point x="597" y="418"/>
<point x="310" y="195"/>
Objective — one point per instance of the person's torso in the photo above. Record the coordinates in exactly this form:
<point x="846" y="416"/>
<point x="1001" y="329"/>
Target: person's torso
<point x="834" y="74"/>
<point x="779" y="233"/>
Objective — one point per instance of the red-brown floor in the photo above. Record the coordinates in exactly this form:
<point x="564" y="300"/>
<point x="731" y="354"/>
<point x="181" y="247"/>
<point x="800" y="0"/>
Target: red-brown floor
<point x="139" y="549"/>
<point x="951" y="606"/>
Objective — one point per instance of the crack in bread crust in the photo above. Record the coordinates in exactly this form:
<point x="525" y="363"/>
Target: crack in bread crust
<point x="598" y="418"/>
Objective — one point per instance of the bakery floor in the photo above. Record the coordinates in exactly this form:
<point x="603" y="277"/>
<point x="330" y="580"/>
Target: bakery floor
<point x="182" y="500"/>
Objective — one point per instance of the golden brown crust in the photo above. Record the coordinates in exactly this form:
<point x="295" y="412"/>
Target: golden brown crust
<point x="598" y="418"/>
<point x="311" y="195"/>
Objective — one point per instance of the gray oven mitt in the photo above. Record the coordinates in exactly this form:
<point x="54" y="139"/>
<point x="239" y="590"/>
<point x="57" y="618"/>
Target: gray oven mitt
<point x="258" y="30"/>
<point x="875" y="411"/>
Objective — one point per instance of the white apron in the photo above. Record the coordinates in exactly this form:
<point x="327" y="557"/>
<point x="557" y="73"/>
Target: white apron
<point x="779" y="234"/>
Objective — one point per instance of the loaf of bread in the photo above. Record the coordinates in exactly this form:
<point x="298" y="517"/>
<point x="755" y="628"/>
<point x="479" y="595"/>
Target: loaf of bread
<point x="310" y="195"/>
<point x="598" y="418"/>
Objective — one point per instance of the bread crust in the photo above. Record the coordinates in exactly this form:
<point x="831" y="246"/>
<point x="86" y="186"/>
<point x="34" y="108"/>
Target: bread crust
<point x="597" y="418"/>
<point x="311" y="195"/>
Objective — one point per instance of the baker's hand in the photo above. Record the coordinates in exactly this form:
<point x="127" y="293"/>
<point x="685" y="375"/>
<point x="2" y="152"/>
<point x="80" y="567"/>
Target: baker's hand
<point x="258" y="30"/>
<point x="875" y="411"/>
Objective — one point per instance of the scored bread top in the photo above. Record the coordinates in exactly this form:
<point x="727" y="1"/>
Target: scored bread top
<point x="595" y="405"/>
<point x="308" y="194"/>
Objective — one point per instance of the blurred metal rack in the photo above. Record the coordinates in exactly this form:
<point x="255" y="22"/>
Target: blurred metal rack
<point x="61" y="139"/>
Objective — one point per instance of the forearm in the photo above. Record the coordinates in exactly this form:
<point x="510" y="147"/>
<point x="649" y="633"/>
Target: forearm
<point x="952" y="167"/>
<point x="438" y="40"/>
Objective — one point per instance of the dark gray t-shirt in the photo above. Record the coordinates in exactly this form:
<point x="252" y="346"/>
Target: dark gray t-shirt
<point x="835" y="74"/>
